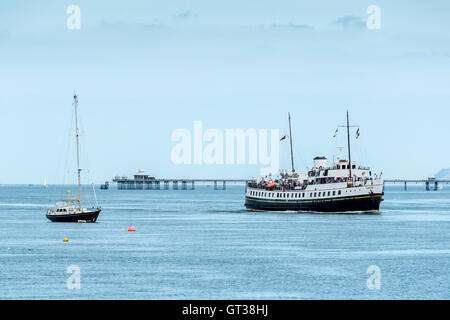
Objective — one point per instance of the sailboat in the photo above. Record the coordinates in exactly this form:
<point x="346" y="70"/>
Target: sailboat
<point x="71" y="209"/>
<point x="45" y="182"/>
<point x="342" y="187"/>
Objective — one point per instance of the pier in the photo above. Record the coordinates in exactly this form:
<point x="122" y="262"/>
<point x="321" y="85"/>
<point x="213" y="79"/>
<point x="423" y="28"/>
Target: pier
<point x="142" y="181"/>
<point x="427" y="182"/>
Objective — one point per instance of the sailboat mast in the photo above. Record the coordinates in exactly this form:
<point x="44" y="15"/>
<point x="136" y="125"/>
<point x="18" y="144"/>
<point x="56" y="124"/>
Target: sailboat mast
<point x="349" y="153"/>
<point x="290" y="138"/>
<point x="75" y="98"/>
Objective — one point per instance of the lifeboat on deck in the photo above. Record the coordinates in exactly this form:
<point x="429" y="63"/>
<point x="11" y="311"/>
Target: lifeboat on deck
<point x="271" y="185"/>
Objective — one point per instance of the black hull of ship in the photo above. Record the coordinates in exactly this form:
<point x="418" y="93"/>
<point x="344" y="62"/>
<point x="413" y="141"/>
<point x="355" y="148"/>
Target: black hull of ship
<point x="369" y="203"/>
<point x="90" y="216"/>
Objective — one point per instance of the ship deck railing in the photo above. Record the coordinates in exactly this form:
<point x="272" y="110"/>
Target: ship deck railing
<point x="303" y="186"/>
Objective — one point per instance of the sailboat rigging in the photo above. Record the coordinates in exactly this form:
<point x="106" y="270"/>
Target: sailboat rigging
<point x="71" y="209"/>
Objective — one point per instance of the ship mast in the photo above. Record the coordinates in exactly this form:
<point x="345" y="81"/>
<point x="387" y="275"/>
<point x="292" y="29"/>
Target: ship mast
<point x="290" y="138"/>
<point x="75" y="98"/>
<point x="349" y="153"/>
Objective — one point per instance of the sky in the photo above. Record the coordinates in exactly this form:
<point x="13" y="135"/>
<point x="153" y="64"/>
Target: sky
<point x="143" y="69"/>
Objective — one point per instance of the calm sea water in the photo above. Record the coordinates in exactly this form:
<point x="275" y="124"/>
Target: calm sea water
<point x="202" y="244"/>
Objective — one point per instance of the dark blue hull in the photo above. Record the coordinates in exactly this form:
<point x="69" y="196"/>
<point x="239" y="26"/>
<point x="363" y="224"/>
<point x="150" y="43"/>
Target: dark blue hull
<point x="344" y="204"/>
<point x="88" y="216"/>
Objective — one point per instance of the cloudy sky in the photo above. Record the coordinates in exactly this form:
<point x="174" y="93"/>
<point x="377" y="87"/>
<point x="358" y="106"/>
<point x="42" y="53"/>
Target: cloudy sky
<point x="146" y="68"/>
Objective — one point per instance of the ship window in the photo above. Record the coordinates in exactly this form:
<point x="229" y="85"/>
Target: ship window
<point x="303" y="195"/>
<point x="338" y="166"/>
<point x="318" y="194"/>
<point x="329" y="193"/>
<point x="353" y="166"/>
<point x="315" y="193"/>
<point x="334" y="193"/>
<point x="339" y="192"/>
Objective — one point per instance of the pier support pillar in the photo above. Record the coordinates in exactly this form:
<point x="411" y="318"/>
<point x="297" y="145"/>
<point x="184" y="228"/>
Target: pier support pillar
<point x="157" y="185"/>
<point x="215" y="185"/>
<point x="436" y="186"/>
<point x="406" y="188"/>
<point x="427" y="186"/>
<point x="184" y="185"/>
<point x="224" y="185"/>
<point x="175" y="185"/>
<point x="166" y="185"/>
<point x="193" y="185"/>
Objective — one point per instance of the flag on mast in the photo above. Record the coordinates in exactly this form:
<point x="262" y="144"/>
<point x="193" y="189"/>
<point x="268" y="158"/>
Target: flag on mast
<point x="335" y="133"/>
<point x="284" y="137"/>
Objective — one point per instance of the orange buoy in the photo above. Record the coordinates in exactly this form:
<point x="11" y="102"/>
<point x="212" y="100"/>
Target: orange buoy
<point x="65" y="240"/>
<point x="131" y="228"/>
<point x="271" y="185"/>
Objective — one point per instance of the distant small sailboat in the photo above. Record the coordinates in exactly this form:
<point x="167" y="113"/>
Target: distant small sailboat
<point x="45" y="182"/>
<point x="71" y="209"/>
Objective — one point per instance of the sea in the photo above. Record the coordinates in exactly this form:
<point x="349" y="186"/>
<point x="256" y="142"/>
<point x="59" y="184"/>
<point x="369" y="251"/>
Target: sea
<point x="203" y="244"/>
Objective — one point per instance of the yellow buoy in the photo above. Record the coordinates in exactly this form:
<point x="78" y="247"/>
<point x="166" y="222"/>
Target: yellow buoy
<point x="68" y="191"/>
<point x="65" y="240"/>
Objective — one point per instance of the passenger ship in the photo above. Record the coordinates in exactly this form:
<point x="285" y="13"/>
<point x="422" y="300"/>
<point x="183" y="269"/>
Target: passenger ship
<point x="342" y="187"/>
